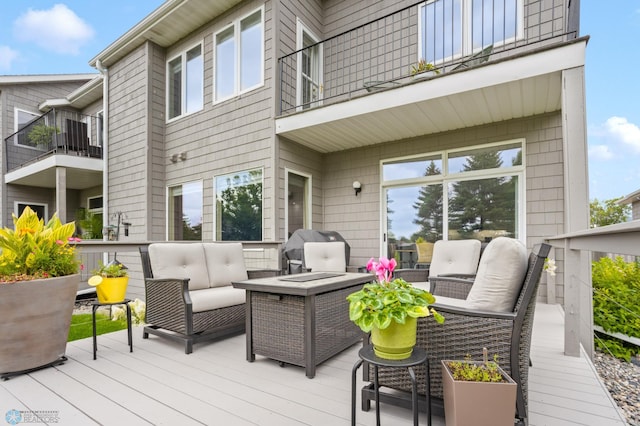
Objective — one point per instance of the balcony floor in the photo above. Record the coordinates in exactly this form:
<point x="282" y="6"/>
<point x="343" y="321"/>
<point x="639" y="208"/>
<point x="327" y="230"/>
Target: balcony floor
<point x="159" y="384"/>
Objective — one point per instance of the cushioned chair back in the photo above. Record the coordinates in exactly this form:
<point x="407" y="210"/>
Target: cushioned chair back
<point x="175" y="260"/>
<point x="425" y="252"/>
<point x="455" y="257"/>
<point x="325" y="256"/>
<point x="225" y="263"/>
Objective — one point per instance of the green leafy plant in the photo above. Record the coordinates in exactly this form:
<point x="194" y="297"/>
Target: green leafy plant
<point x="423" y="66"/>
<point x="90" y="224"/>
<point x="377" y="304"/>
<point x="41" y="134"/>
<point x="111" y="270"/>
<point x="471" y="371"/>
<point x="616" y="304"/>
<point x="34" y="250"/>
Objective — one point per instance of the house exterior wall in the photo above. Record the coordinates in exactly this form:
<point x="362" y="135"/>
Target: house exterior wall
<point x="358" y="218"/>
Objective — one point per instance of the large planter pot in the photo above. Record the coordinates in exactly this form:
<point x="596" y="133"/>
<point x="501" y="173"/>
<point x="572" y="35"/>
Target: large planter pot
<point x="112" y="290"/>
<point x="478" y="403"/>
<point x="34" y="323"/>
<point x="396" y="341"/>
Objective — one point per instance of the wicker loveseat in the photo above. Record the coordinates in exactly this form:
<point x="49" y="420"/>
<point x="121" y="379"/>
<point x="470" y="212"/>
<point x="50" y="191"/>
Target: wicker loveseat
<point x="467" y="330"/>
<point x="188" y="288"/>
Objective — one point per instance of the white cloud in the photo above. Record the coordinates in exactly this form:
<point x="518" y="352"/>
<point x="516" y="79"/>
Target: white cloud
<point x="58" y="29"/>
<point x="7" y="56"/>
<point x="621" y="130"/>
<point x="600" y="152"/>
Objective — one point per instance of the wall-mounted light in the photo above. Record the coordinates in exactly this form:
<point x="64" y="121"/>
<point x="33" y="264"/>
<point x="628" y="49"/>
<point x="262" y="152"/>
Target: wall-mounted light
<point x="182" y="156"/>
<point x="174" y="158"/>
<point x="357" y="186"/>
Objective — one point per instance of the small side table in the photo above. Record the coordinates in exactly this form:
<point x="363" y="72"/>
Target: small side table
<point x="419" y="356"/>
<point x="94" y="308"/>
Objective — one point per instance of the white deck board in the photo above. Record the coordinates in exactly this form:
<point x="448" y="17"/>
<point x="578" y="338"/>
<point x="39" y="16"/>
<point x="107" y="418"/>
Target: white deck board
<point x="215" y="385"/>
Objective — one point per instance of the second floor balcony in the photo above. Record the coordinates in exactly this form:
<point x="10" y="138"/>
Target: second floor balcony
<point x="59" y="138"/>
<point x="405" y="74"/>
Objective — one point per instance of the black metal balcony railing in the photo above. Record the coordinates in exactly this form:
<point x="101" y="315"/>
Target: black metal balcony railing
<point x="448" y="34"/>
<point x="56" y="132"/>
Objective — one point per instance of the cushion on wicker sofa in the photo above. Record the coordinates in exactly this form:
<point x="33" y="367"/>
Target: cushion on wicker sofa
<point x="216" y="298"/>
<point x="500" y="275"/>
<point x="175" y="260"/>
<point x="225" y="263"/>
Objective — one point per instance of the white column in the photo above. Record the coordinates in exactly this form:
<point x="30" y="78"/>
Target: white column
<point x="61" y="193"/>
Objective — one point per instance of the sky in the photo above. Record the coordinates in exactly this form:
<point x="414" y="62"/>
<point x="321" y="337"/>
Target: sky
<point x="59" y="37"/>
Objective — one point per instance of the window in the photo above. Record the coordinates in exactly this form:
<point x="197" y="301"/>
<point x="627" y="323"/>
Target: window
<point x="239" y="57"/>
<point x="42" y="210"/>
<point x="185" y="212"/>
<point x="239" y="206"/>
<point x="298" y="207"/>
<point x="309" y="68"/>
<point x="460" y="194"/>
<point x="450" y="29"/>
<point x="21" y="119"/>
<point x="185" y="89"/>
<point x="94" y="204"/>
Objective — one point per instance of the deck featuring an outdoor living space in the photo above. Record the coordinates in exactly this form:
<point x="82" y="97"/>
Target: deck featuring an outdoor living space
<point x="215" y="385"/>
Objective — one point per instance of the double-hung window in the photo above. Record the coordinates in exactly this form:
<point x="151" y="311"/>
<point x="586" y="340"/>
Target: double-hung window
<point x="239" y="56"/>
<point x="185" y="81"/>
<point x="451" y="29"/>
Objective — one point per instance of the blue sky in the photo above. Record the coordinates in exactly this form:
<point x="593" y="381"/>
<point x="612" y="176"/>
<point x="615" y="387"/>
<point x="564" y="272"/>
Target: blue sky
<point x="45" y="37"/>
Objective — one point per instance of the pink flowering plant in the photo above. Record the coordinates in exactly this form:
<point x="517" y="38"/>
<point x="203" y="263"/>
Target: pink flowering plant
<point x="35" y="250"/>
<point x="388" y="299"/>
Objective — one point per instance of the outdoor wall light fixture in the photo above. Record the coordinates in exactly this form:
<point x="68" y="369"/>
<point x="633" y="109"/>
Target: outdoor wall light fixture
<point x="357" y="186"/>
<point x="174" y="158"/>
<point x="181" y="156"/>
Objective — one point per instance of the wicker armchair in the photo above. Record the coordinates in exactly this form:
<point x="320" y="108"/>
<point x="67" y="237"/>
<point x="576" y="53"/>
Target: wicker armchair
<point x="467" y="331"/>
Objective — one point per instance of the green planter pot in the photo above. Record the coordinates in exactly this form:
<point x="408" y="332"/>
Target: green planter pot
<point x="396" y="341"/>
<point x="34" y="323"/>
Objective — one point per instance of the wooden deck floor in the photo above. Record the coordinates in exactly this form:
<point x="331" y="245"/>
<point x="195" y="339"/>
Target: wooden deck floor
<point x="159" y="384"/>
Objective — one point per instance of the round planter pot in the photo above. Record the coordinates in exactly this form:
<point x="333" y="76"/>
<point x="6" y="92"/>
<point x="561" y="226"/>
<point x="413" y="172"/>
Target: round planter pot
<point x="396" y="341"/>
<point x="34" y="323"/>
<point x="112" y="290"/>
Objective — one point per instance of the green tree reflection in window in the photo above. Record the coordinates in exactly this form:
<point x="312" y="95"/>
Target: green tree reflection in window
<point x="239" y="206"/>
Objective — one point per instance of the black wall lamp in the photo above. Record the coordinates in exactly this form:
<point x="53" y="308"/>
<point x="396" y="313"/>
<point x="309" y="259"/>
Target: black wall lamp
<point x="357" y="186"/>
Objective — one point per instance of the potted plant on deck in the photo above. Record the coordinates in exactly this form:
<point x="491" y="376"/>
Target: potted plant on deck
<point x="478" y="393"/>
<point x="111" y="281"/>
<point x="423" y="69"/>
<point x="38" y="283"/>
<point x="389" y="309"/>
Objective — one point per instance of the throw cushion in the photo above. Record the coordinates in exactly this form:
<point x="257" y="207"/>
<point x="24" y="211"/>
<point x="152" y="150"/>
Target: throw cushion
<point x="500" y="276"/>
<point x="175" y="260"/>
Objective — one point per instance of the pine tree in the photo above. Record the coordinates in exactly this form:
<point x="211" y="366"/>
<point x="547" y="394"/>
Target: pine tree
<point x="429" y="209"/>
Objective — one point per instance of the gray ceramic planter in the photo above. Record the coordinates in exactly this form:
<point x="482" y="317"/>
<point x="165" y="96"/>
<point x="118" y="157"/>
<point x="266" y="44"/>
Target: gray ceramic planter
<point x="34" y="323"/>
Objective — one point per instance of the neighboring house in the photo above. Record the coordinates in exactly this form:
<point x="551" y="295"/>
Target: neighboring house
<point x="246" y="120"/>
<point x="634" y="200"/>
<point x="51" y="159"/>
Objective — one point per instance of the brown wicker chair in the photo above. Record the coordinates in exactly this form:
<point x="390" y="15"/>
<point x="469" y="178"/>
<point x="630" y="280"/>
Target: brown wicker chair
<point x="170" y="313"/>
<point x="466" y="332"/>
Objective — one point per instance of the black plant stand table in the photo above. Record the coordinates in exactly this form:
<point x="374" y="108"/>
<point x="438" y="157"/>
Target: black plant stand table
<point x="419" y="356"/>
<point x="94" y="308"/>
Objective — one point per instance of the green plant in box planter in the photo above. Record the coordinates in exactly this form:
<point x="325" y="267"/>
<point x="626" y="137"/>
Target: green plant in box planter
<point x="111" y="281"/>
<point x="389" y="310"/>
<point x="38" y="283"/>
<point x="478" y="393"/>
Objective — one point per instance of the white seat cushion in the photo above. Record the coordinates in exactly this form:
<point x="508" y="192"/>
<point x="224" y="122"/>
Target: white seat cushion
<point x="500" y="276"/>
<point x="455" y="257"/>
<point x="325" y="256"/>
<point x="174" y="260"/>
<point x="216" y="298"/>
<point x="224" y="263"/>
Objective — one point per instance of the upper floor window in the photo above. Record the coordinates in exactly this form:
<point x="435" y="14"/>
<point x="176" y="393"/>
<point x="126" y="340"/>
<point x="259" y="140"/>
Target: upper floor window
<point x="239" y="56"/>
<point x="451" y="29"/>
<point x="185" y="81"/>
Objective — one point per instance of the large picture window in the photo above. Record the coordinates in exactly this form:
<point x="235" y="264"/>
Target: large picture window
<point x="473" y="193"/>
<point x="239" y="206"/>
<point x="185" y="212"/>
<point x="450" y="29"/>
<point x="185" y="76"/>
<point x="239" y="57"/>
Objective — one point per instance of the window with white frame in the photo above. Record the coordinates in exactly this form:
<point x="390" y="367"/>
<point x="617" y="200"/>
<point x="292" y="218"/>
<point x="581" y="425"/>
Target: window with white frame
<point x="184" y="219"/>
<point x="185" y="82"/>
<point x="474" y="193"/>
<point x="239" y="206"/>
<point x="239" y="56"/>
<point x="309" y="59"/>
<point x="41" y="209"/>
<point x="21" y="118"/>
<point x="451" y="29"/>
